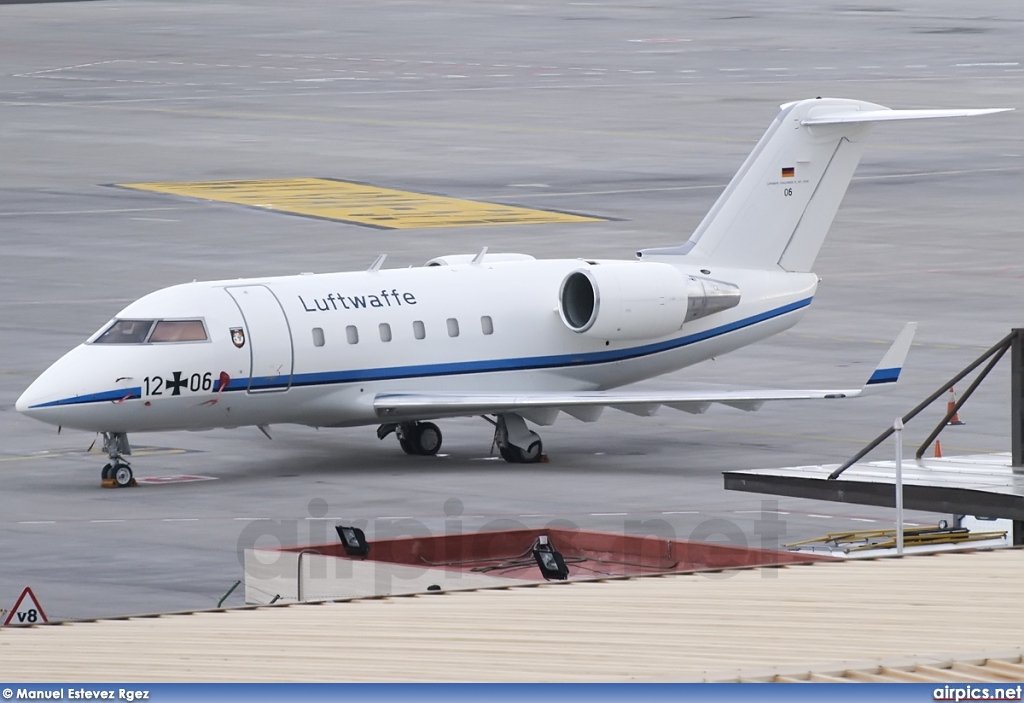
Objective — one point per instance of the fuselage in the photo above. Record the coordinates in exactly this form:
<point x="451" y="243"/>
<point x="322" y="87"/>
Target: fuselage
<point x="316" y="349"/>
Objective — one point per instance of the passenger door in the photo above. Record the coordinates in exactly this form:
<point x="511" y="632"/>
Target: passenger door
<point x="268" y="336"/>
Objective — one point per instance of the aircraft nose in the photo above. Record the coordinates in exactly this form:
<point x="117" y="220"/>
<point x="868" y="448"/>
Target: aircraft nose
<point x="24" y="402"/>
<point x="34" y="396"/>
<point x="42" y="398"/>
<point x="72" y="392"/>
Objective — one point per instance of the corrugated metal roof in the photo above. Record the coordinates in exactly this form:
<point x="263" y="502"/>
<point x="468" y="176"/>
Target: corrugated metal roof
<point x="682" y="627"/>
<point x="995" y="668"/>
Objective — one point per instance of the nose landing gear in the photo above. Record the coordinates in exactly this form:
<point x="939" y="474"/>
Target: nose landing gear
<point x="117" y="473"/>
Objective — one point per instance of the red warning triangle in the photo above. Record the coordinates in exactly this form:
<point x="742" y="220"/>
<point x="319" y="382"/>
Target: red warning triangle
<point x="26" y="610"/>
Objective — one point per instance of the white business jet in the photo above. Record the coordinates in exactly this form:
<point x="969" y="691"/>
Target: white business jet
<point x="502" y="336"/>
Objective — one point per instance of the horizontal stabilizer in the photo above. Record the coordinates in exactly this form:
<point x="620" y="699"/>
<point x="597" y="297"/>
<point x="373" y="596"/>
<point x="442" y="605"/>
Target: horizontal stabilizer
<point x="849" y="117"/>
<point x="542" y="407"/>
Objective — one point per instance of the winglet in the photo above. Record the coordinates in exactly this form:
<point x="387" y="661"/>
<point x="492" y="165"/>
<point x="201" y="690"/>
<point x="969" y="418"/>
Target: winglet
<point x="889" y="368"/>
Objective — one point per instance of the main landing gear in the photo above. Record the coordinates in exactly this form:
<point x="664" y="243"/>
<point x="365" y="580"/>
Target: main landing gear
<point x="117" y="473"/>
<point x="516" y="443"/>
<point x="419" y="438"/>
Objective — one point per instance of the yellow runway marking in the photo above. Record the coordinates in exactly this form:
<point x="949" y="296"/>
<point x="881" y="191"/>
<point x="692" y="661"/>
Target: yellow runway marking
<point x="383" y="208"/>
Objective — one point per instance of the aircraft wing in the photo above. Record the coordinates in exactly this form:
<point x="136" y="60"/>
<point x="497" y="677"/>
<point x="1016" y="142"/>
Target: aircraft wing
<point x="543" y="408"/>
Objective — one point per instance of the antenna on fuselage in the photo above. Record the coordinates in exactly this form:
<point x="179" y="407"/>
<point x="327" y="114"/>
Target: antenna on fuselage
<point x="375" y="266"/>
<point x="479" y="258"/>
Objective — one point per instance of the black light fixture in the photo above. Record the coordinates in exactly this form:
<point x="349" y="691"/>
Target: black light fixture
<point x="552" y="565"/>
<point x="353" y="540"/>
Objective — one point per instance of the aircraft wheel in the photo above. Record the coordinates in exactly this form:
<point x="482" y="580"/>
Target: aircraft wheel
<point x="107" y="471"/>
<point x="515" y="455"/>
<point x="532" y="453"/>
<point x="426" y="438"/>
<point x="122" y="475"/>
<point x="405" y="443"/>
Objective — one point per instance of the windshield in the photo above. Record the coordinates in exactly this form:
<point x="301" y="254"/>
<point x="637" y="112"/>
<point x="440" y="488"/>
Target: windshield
<point x="152" y="332"/>
<point x="178" y="331"/>
<point x="125" y="332"/>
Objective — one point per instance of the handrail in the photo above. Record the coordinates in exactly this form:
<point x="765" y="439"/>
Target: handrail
<point x="963" y="399"/>
<point x="999" y="348"/>
<point x="298" y="572"/>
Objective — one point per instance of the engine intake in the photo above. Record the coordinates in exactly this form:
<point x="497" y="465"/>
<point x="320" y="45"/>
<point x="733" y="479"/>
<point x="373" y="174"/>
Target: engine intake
<point x="638" y="300"/>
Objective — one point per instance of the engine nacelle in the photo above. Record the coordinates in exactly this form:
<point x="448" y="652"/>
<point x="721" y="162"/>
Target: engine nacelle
<point x="625" y="300"/>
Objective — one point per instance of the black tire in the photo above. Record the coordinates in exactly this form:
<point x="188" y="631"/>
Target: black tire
<point x="515" y="455"/>
<point x="532" y="454"/>
<point x="122" y="475"/>
<point x="426" y="438"/>
<point x="405" y="443"/>
<point x="107" y="471"/>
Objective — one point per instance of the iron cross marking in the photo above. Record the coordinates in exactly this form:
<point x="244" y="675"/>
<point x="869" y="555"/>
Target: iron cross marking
<point x="176" y="385"/>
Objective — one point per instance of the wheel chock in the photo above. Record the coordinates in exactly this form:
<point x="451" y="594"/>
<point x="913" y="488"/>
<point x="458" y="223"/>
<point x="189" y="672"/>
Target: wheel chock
<point x="111" y="483"/>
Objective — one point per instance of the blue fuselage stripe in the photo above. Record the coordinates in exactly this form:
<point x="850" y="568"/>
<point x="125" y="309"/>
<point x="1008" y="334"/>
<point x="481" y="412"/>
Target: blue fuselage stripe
<point x="466" y="367"/>
<point x="115" y="395"/>
<point x="528" y="363"/>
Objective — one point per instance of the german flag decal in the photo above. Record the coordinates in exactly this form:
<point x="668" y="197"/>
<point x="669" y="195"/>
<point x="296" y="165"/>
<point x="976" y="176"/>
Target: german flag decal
<point x="788" y="172"/>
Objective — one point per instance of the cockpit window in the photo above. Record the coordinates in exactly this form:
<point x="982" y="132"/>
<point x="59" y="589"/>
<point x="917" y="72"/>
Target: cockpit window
<point x="125" y="332"/>
<point x="152" y="332"/>
<point x="178" y="331"/>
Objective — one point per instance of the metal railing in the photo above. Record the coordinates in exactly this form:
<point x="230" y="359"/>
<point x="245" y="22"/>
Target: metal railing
<point x="993" y="355"/>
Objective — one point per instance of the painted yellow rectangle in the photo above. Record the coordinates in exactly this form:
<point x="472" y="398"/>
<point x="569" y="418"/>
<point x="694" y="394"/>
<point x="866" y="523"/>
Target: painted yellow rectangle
<point x="357" y="203"/>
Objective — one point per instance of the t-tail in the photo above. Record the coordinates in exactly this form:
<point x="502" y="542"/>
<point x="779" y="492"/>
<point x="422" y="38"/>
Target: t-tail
<point x="777" y="209"/>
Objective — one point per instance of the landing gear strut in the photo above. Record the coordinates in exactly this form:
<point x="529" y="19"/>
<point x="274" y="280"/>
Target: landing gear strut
<point x="418" y="438"/>
<point x="117" y="473"/>
<point x="516" y="443"/>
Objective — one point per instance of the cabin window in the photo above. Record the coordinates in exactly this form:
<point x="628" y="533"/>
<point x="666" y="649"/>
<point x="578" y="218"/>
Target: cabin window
<point x="352" y="334"/>
<point x="178" y="331"/>
<point x="418" y="330"/>
<point x="385" y="332"/>
<point x="486" y="324"/>
<point x="318" y="337"/>
<point x="453" y="327"/>
<point x="125" y="332"/>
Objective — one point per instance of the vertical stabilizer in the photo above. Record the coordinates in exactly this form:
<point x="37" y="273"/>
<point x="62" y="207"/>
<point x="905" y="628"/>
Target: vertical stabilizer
<point x="777" y="209"/>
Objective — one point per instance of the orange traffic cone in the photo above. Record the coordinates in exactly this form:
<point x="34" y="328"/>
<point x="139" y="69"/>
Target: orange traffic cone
<point x="938" y="449"/>
<point x="950" y="404"/>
